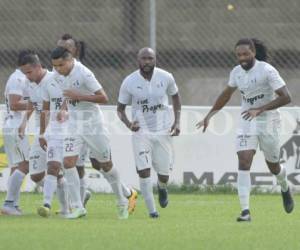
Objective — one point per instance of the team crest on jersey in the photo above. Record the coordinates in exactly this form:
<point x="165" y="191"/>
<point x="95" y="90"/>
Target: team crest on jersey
<point x="76" y="83"/>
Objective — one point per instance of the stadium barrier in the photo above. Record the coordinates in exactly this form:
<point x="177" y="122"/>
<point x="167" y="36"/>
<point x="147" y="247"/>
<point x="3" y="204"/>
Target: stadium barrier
<point x="200" y="158"/>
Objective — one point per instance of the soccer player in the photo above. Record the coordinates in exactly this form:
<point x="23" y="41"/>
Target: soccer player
<point x="16" y="148"/>
<point x="263" y="91"/>
<point x="147" y="90"/>
<point x="38" y="77"/>
<point x="77" y="49"/>
<point x="82" y="111"/>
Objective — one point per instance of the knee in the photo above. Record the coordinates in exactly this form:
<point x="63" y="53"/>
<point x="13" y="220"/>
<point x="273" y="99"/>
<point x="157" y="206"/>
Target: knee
<point x="37" y="177"/>
<point x="245" y="162"/>
<point x="105" y="166"/>
<point x="163" y="178"/>
<point x="53" y="169"/>
<point x="145" y="173"/>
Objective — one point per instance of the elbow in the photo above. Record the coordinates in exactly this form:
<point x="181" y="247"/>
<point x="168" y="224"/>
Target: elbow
<point x="288" y="99"/>
<point x="105" y="100"/>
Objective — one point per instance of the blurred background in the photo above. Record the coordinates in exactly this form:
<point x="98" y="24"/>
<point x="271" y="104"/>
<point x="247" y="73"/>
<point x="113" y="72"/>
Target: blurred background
<point x="194" y="39"/>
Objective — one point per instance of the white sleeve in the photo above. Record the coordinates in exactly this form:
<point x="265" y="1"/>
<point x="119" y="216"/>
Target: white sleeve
<point x="232" y="81"/>
<point x="90" y="81"/>
<point x="274" y="79"/>
<point x="172" y="88"/>
<point x="16" y="86"/>
<point x="124" y="96"/>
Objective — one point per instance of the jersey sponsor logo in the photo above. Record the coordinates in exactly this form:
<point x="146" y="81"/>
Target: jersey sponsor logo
<point x="252" y="100"/>
<point x="76" y="83"/>
<point x="57" y="102"/>
<point x="73" y="102"/>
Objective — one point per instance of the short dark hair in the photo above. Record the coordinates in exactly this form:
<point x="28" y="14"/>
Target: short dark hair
<point x="28" y="57"/>
<point x="261" y="50"/>
<point x="60" y="52"/>
<point x="246" y="41"/>
<point x="67" y="36"/>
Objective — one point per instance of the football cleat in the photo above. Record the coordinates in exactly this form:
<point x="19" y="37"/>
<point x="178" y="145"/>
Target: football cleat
<point x="162" y="196"/>
<point x="44" y="211"/>
<point x="10" y="210"/>
<point x="154" y="215"/>
<point x="132" y="201"/>
<point x="76" y="213"/>
<point x="245" y="216"/>
<point x="288" y="202"/>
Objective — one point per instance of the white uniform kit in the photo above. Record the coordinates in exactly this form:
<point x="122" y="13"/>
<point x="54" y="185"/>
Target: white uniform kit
<point x="152" y="143"/>
<point x="85" y="123"/>
<point x="17" y="149"/>
<point x="56" y="131"/>
<point x="257" y="87"/>
<point x="37" y="157"/>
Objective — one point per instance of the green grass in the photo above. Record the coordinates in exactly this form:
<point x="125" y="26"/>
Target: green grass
<point x="190" y="222"/>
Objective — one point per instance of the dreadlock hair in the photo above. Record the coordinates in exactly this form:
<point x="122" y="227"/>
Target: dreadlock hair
<point x="261" y="50"/>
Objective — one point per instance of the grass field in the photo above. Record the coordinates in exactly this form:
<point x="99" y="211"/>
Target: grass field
<point x="190" y="222"/>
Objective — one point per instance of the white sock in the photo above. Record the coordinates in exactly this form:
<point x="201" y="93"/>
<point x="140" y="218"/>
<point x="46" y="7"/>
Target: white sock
<point x="62" y="195"/>
<point x="113" y="179"/>
<point x="50" y="185"/>
<point x="14" y="185"/>
<point x="73" y="183"/>
<point x="126" y="190"/>
<point x="281" y="179"/>
<point x="147" y="192"/>
<point x="82" y="188"/>
<point x="244" y="187"/>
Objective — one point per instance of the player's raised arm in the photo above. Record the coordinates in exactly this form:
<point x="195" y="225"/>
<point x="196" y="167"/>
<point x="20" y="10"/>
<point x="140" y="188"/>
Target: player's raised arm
<point x="98" y="97"/>
<point x="221" y="101"/>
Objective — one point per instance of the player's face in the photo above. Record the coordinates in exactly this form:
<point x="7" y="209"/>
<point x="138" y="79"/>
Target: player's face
<point x="63" y="66"/>
<point x="146" y="61"/>
<point x="245" y="56"/>
<point x="31" y="71"/>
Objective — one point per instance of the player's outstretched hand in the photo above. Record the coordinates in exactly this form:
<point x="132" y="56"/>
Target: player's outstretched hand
<point x="175" y="129"/>
<point x="204" y="123"/>
<point x="134" y="126"/>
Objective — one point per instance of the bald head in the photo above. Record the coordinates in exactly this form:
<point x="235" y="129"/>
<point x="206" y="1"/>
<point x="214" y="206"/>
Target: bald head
<point x="146" y="60"/>
<point x="146" y="51"/>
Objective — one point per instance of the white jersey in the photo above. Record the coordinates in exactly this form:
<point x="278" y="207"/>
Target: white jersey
<point x="53" y="93"/>
<point x="83" y="80"/>
<point x="257" y="87"/>
<point x="16" y="85"/>
<point x="149" y="99"/>
<point x="36" y="96"/>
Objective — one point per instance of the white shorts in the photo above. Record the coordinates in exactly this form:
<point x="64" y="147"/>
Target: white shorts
<point x="153" y="151"/>
<point x="97" y="141"/>
<point x="16" y="149"/>
<point x="269" y="144"/>
<point x="55" y="151"/>
<point x="37" y="158"/>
